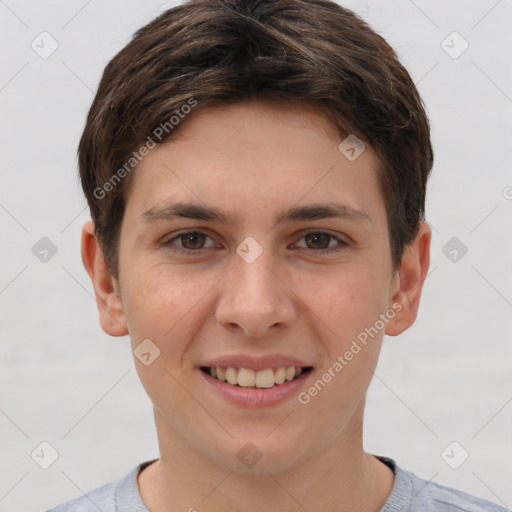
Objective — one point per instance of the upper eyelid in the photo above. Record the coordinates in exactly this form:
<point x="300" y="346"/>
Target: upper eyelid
<point x="177" y="234"/>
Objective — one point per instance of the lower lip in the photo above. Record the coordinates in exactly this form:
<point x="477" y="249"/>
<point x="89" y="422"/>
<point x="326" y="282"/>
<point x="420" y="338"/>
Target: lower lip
<point x="256" y="397"/>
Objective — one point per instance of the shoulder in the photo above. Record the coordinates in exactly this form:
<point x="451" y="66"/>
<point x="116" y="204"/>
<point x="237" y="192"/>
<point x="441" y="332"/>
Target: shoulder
<point x="103" y="498"/>
<point x="118" y="496"/>
<point x="413" y="494"/>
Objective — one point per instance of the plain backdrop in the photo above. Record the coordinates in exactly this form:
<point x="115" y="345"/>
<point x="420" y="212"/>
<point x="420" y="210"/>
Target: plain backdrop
<point x="64" y="382"/>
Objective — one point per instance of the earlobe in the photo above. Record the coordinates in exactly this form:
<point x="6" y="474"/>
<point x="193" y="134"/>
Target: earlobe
<point x="108" y="297"/>
<point x="410" y="278"/>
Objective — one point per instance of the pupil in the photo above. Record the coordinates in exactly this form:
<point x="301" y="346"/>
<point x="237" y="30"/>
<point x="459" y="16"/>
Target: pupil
<point x="193" y="240"/>
<point x="315" y="237"/>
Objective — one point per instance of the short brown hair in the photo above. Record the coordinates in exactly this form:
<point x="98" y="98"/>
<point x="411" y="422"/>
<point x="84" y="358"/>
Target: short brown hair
<point x="313" y="52"/>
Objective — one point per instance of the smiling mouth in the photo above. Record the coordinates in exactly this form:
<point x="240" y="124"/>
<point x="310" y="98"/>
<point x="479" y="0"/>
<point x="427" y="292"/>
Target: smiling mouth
<point x="263" y="379"/>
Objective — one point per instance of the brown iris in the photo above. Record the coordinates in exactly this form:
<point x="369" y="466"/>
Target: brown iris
<point x="193" y="240"/>
<point x="320" y="240"/>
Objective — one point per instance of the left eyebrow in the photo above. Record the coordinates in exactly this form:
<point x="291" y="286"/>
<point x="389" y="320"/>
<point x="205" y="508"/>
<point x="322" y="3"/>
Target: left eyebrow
<point x="322" y="211"/>
<point x="294" y="214"/>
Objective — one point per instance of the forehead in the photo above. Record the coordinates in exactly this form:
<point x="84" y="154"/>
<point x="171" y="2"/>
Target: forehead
<point x="250" y="159"/>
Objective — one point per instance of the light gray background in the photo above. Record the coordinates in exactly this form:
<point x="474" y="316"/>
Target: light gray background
<point x="64" y="381"/>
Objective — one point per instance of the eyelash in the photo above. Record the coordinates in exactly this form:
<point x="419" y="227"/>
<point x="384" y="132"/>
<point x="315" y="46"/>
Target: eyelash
<point x="182" y="250"/>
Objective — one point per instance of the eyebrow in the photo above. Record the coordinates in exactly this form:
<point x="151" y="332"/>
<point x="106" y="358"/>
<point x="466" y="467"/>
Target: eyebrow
<point x="294" y="214"/>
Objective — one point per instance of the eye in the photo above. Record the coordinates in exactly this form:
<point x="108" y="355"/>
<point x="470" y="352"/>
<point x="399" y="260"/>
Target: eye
<point x="322" y="242"/>
<point x="191" y="242"/>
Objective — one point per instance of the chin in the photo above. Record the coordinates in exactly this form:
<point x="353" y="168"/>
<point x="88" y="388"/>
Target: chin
<point x="259" y="455"/>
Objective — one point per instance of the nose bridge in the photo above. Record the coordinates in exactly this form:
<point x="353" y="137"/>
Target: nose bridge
<point x="252" y="296"/>
<point x="256" y="281"/>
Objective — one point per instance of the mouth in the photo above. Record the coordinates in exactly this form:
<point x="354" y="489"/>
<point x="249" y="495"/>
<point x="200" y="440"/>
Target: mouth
<point x="257" y="379"/>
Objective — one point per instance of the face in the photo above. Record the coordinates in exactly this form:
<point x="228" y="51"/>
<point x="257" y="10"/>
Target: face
<point x="252" y="241"/>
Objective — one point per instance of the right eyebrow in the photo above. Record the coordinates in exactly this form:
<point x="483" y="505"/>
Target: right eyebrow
<point x="185" y="210"/>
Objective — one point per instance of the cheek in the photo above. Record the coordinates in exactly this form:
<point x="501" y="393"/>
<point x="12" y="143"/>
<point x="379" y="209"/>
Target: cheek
<point x="163" y="306"/>
<point x="346" y="300"/>
<point x="346" y="312"/>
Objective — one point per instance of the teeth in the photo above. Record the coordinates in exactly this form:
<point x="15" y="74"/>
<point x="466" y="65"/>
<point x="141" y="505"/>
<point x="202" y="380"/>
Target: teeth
<point x="290" y="373"/>
<point x="280" y="375"/>
<point x="265" y="378"/>
<point x="245" y="377"/>
<point x="231" y="375"/>
<point x="221" y="375"/>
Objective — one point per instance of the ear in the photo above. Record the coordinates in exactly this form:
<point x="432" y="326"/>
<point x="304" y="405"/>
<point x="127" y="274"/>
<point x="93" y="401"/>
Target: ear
<point x="408" y="281"/>
<point x="106" y="289"/>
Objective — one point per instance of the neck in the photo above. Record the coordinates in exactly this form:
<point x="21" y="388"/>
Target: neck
<point x="341" y="477"/>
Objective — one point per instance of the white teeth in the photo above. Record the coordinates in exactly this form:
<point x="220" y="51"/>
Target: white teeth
<point x="265" y="378"/>
<point x="280" y="375"/>
<point x="290" y="373"/>
<point x="245" y="377"/>
<point x="231" y="375"/>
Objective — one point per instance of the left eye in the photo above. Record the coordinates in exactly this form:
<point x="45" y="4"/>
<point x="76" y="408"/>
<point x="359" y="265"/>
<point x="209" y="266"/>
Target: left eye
<point x="319" y="240"/>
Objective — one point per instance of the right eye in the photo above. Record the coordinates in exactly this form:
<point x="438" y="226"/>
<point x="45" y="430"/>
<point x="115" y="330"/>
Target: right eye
<point x="192" y="242"/>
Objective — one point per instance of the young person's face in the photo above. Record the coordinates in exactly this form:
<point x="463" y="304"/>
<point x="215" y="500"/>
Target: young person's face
<point x="303" y="300"/>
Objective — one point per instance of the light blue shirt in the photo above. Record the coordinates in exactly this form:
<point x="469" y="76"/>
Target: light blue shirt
<point x="409" y="494"/>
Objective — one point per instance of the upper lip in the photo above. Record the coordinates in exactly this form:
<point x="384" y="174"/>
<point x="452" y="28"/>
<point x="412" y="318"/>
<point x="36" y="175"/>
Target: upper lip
<point x="255" y="362"/>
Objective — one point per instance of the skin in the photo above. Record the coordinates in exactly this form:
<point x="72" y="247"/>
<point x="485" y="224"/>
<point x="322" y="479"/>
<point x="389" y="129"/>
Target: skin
<point x="254" y="160"/>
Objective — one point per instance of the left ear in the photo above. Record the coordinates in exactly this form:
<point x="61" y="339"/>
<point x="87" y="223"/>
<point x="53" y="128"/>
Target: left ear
<point x="409" y="281"/>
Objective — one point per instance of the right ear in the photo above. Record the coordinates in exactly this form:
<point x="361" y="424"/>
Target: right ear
<point x="106" y="289"/>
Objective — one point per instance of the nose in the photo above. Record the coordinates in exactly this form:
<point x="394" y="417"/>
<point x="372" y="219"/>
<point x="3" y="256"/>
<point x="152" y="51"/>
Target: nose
<point x="255" y="299"/>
